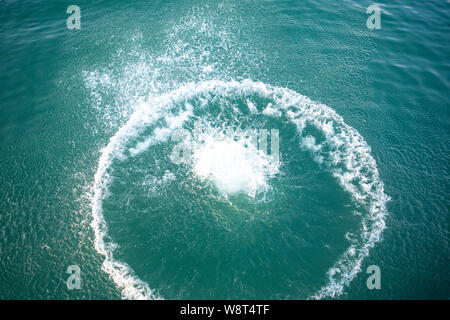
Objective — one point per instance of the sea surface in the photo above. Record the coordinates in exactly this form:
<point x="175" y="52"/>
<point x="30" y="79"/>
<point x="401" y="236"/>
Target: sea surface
<point x="229" y="149"/>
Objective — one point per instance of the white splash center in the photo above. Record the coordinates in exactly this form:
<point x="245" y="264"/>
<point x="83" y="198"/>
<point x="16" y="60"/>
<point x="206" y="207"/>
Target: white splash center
<point x="233" y="165"/>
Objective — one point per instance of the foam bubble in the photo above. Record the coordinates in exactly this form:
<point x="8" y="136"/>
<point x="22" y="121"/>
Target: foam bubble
<point x="233" y="166"/>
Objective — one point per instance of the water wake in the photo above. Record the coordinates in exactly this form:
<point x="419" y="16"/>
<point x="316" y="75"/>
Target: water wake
<point x="333" y="144"/>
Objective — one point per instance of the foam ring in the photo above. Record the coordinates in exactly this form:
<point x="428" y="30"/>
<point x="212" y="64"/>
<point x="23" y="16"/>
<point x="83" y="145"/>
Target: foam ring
<point x="343" y="152"/>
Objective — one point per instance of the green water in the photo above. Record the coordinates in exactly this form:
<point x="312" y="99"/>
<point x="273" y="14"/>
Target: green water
<point x="85" y="170"/>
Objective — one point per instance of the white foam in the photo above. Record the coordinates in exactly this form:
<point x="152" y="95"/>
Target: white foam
<point x="234" y="165"/>
<point x="343" y="151"/>
<point x="251" y="106"/>
<point x="271" y="111"/>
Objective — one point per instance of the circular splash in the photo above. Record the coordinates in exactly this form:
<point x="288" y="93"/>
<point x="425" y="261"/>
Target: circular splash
<point x="333" y="145"/>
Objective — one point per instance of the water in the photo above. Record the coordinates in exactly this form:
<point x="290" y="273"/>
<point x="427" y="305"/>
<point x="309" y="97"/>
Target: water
<point x="88" y="177"/>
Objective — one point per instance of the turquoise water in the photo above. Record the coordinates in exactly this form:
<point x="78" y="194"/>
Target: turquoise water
<point x="87" y="132"/>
